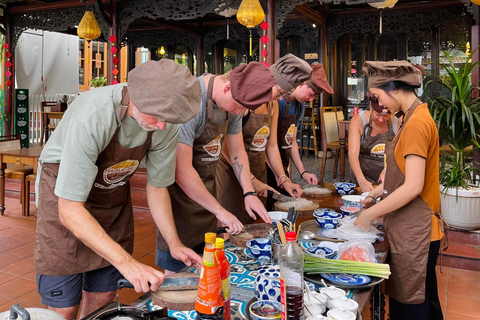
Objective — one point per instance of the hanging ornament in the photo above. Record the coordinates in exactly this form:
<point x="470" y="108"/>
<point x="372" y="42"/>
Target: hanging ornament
<point x="227" y="13"/>
<point x="477" y="2"/>
<point x="88" y="29"/>
<point x="250" y="14"/>
<point x="264" y="40"/>
<point x="383" y="5"/>
<point x="113" y="50"/>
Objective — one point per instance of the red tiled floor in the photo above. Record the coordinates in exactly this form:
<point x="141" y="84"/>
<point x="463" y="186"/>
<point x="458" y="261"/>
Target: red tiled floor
<point x="463" y="306"/>
<point x="464" y="289"/>
<point x="464" y="275"/>
<point x="457" y="316"/>
<point x="18" y="268"/>
<point x="9" y="244"/>
<point x="4" y="277"/>
<point x="17" y="287"/>
<point x="32" y="298"/>
<point x="7" y="258"/>
<point x="464" y="250"/>
<point x="23" y="251"/>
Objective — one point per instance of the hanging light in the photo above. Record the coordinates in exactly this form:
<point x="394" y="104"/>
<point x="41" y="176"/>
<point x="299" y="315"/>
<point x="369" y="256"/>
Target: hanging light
<point x="88" y="28"/>
<point x="227" y="13"/>
<point x="382" y="5"/>
<point x="250" y="14"/>
<point x="162" y="50"/>
<point x="477" y="2"/>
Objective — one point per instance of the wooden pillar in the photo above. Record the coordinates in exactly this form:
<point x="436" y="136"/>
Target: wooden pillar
<point x="270" y="59"/>
<point x="435" y="41"/>
<point x="218" y="58"/>
<point x="8" y="90"/>
<point x="475" y="58"/>
<point x="114" y="32"/>
<point x="402" y="46"/>
<point x="200" y="53"/>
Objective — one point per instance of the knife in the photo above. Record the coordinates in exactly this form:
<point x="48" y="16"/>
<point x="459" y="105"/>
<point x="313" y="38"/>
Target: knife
<point x="176" y="284"/>
<point x="279" y="197"/>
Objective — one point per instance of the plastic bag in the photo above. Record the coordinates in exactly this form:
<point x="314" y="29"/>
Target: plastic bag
<point x="357" y="250"/>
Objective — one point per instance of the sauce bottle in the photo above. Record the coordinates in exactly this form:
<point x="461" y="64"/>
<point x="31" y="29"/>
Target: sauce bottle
<point x="224" y="267"/>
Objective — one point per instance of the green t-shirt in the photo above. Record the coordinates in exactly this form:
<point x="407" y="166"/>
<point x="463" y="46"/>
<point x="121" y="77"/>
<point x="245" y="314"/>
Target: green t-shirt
<point x="84" y="132"/>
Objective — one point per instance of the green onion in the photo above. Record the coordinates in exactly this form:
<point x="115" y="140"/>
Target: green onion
<point x="315" y="265"/>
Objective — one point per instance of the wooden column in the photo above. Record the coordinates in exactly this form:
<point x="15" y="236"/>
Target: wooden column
<point x="200" y="52"/>
<point x="270" y="33"/>
<point x="8" y="90"/>
<point x="402" y="46"/>
<point x="475" y="58"/>
<point x="435" y="60"/>
<point x="114" y="32"/>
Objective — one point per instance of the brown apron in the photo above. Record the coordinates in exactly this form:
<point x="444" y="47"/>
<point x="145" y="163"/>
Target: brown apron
<point x="286" y="135"/>
<point x="371" y="155"/>
<point x="408" y="232"/>
<point x="191" y="219"/>
<point x="57" y="251"/>
<point x="255" y="138"/>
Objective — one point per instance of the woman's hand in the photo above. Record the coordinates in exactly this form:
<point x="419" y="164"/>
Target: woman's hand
<point x="293" y="189"/>
<point x="310" y="178"/>
<point x="368" y="202"/>
<point x="365" y="185"/>
<point x="363" y="221"/>
<point x="262" y="188"/>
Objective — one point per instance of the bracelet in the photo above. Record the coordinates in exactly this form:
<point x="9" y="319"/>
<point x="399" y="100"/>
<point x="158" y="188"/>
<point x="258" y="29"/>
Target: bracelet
<point x="249" y="193"/>
<point x="252" y="178"/>
<point x="280" y="179"/>
<point x="301" y="174"/>
<point x="374" y="200"/>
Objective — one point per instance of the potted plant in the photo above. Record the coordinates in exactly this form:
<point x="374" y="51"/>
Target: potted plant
<point x="98" y="82"/>
<point x="458" y="119"/>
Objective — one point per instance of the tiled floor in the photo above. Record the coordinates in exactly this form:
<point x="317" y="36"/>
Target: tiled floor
<point x="459" y="290"/>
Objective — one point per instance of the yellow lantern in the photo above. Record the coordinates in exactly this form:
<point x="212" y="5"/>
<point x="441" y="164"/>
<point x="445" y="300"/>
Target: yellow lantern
<point x="250" y="14"/>
<point x="88" y="28"/>
<point x="477" y="2"/>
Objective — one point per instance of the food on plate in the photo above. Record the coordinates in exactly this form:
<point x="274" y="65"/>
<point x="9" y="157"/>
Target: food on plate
<point x="297" y="203"/>
<point x="317" y="190"/>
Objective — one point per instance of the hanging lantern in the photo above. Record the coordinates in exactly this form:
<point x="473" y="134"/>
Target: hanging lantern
<point x="227" y="13"/>
<point x="382" y="5"/>
<point x="477" y="2"/>
<point x="88" y="28"/>
<point x="250" y="14"/>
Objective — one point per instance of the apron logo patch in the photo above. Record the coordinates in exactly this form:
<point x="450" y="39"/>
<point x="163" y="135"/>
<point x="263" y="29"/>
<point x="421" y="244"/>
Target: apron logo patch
<point x="119" y="171"/>
<point x="378" y="150"/>
<point x="289" y="136"/>
<point x="214" y="147"/>
<point x="260" y="139"/>
<point x="56" y="293"/>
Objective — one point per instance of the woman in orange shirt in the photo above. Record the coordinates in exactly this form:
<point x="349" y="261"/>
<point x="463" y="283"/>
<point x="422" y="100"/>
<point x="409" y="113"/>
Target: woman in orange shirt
<point x="411" y="193"/>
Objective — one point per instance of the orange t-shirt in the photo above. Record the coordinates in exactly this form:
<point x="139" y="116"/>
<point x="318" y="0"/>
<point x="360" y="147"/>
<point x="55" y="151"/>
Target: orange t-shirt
<point x="420" y="137"/>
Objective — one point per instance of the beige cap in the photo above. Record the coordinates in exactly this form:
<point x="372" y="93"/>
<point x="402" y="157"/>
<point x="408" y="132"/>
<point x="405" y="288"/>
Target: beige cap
<point x="290" y="71"/>
<point x="166" y="90"/>
<point x="381" y="72"/>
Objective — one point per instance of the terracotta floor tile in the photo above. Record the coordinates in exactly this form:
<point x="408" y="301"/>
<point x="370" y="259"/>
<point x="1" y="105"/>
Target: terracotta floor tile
<point x="443" y="301"/>
<point x="149" y="260"/>
<point x="457" y="316"/>
<point x="127" y="296"/>
<point x="4" y="300"/>
<point x="17" y="287"/>
<point x="146" y="245"/>
<point x="18" y="268"/>
<point x="33" y="298"/>
<point x="464" y="250"/>
<point x="10" y="244"/>
<point x="464" y="289"/>
<point x="6" y="306"/>
<point x="5" y="277"/>
<point x="464" y="275"/>
<point x="137" y="255"/>
<point x="30" y="276"/>
<point x="442" y="286"/>
<point x="7" y="258"/>
<point x="4" y="226"/>
<point x="27" y="237"/>
<point x="13" y="231"/>
<point x="442" y="275"/>
<point x="463" y="306"/>
<point x="140" y="233"/>
<point x="23" y="251"/>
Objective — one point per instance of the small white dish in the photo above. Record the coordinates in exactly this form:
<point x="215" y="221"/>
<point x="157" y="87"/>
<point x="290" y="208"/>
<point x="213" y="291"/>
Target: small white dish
<point x="277" y="215"/>
<point x="341" y="314"/>
<point x="344" y="303"/>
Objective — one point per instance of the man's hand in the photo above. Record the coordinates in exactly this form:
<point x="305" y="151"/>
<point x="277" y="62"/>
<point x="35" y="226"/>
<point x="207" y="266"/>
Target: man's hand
<point x="261" y="188"/>
<point x="140" y="275"/>
<point x="254" y="205"/>
<point x="293" y="189"/>
<point x="365" y="185"/>
<point x="186" y="255"/>
<point x="368" y="202"/>
<point x="363" y="221"/>
<point x="230" y="221"/>
<point x="310" y="178"/>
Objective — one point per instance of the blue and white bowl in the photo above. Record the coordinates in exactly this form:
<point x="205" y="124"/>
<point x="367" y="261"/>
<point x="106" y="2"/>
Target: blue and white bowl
<point x="267" y="283"/>
<point x="348" y="210"/>
<point x="327" y="220"/>
<point x="266" y="310"/>
<point x="260" y="249"/>
<point x="323" y="252"/>
<point x="352" y="200"/>
<point x="344" y="188"/>
<point x="321" y="211"/>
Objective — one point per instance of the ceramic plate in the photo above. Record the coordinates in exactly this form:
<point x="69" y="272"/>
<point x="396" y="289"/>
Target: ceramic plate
<point x="347" y="279"/>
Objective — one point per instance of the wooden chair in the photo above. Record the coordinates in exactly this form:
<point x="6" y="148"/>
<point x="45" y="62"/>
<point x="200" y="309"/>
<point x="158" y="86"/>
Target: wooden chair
<point x="308" y="128"/>
<point x="14" y="142"/>
<point x="329" y="126"/>
<point x="28" y="180"/>
<point x="47" y="114"/>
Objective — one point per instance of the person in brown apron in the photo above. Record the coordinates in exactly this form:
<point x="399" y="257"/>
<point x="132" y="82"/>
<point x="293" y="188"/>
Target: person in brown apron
<point x="260" y="142"/>
<point x="85" y="227"/>
<point x="290" y="111"/>
<point x="411" y="205"/>
<point x="366" y="145"/>
<point x="195" y="209"/>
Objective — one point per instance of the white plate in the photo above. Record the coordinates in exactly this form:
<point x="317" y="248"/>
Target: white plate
<point x="277" y="215"/>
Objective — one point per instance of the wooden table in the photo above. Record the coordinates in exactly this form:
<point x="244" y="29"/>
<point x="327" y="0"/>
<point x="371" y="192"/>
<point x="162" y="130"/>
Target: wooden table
<point x="343" y="126"/>
<point x="27" y="157"/>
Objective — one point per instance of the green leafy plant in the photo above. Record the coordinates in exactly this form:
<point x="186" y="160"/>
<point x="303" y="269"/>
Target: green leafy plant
<point x="458" y="121"/>
<point x="98" y="82"/>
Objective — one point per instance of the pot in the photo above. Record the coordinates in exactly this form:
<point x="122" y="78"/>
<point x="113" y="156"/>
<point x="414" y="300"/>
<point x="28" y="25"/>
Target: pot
<point x="462" y="213"/>
<point x="17" y="312"/>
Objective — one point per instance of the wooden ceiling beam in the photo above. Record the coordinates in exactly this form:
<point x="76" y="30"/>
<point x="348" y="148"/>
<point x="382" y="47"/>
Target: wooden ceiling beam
<point x="311" y="15"/>
<point x="45" y="6"/>
<point x="172" y="25"/>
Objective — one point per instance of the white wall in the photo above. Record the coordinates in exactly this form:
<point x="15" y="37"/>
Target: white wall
<point x="60" y="62"/>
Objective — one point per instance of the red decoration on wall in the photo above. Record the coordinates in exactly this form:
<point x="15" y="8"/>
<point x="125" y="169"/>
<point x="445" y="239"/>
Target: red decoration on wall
<point x="8" y="54"/>
<point x="5" y="45"/>
<point x="8" y="83"/>
<point x="112" y="38"/>
<point x="8" y="74"/>
<point x="115" y="61"/>
<point x="264" y="40"/>
<point x="114" y="81"/>
<point x="113" y="50"/>
<point x="8" y="64"/>
<point x="115" y="71"/>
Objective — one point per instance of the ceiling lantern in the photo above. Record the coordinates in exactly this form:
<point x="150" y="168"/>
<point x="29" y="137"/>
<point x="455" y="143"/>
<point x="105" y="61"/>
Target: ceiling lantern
<point x="477" y="2"/>
<point x="383" y="5"/>
<point x="250" y="14"/>
<point x="88" y="28"/>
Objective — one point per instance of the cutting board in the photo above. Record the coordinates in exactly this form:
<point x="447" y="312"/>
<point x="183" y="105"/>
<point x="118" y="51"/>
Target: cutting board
<point x="182" y="300"/>
<point x="249" y="232"/>
<point x="304" y="212"/>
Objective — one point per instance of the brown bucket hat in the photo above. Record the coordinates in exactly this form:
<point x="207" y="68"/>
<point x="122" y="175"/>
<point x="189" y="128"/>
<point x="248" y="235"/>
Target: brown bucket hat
<point x="290" y="71"/>
<point x="166" y="90"/>
<point x="381" y="72"/>
<point x="252" y="84"/>
<point x="319" y="81"/>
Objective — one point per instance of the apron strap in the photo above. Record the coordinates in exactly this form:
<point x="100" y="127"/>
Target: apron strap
<point x="209" y="98"/>
<point x="410" y="112"/>
<point x="395" y="125"/>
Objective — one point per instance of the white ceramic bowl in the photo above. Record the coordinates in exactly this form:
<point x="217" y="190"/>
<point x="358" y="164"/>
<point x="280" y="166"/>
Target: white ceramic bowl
<point x="340" y="314"/>
<point x="344" y="303"/>
<point x="352" y="200"/>
<point x="277" y="215"/>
